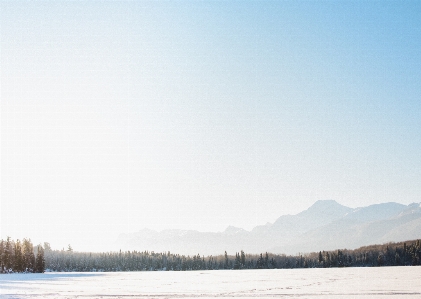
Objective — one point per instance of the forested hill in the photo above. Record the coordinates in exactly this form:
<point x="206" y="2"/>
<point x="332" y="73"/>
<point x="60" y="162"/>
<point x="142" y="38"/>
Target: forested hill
<point x="392" y="254"/>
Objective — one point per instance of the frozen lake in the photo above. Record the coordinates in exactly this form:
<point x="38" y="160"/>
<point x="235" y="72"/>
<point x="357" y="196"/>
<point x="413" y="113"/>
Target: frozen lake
<point x="345" y="283"/>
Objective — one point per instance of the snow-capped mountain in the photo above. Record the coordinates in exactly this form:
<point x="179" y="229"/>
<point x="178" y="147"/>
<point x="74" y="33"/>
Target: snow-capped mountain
<point x="326" y="225"/>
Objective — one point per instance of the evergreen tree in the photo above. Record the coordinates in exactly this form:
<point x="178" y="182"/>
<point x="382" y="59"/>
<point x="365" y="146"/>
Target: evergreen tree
<point x="28" y="256"/>
<point x="1" y="256"/>
<point x="273" y="263"/>
<point x="305" y="263"/>
<point x="397" y="259"/>
<point x="340" y="259"/>
<point x="260" y="262"/>
<point x="327" y="260"/>
<point x="380" y="260"/>
<point x="40" y="261"/>
<point x="404" y="253"/>
<point x="388" y="256"/>
<point x="47" y="247"/>
<point x="243" y="259"/>
<point x="237" y="261"/>
<point x="18" y="262"/>
<point x="8" y="255"/>
<point x="266" y="265"/>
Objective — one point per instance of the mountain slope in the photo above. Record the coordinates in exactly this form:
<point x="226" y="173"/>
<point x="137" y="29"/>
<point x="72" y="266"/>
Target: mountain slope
<point x="320" y="213"/>
<point x="376" y="212"/>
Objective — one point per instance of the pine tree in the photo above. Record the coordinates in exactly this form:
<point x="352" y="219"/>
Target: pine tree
<point x="18" y="262"/>
<point x="260" y="262"/>
<point x="397" y="259"/>
<point x="305" y="263"/>
<point x="243" y="259"/>
<point x="404" y="253"/>
<point x="40" y="261"/>
<point x="237" y="261"/>
<point x="28" y="256"/>
<point x="47" y="247"/>
<point x="340" y="259"/>
<point x="380" y="260"/>
<point x="327" y="260"/>
<point x="8" y="255"/>
<point x="320" y="257"/>
<point x="266" y="265"/>
<point x="388" y="256"/>
<point x="1" y="256"/>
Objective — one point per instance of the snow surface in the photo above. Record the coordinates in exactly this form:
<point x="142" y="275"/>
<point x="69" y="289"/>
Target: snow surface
<point x="344" y="283"/>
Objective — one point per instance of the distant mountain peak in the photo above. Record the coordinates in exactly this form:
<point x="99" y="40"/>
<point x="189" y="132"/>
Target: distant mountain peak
<point x="329" y="206"/>
<point x="326" y="203"/>
<point x="233" y="230"/>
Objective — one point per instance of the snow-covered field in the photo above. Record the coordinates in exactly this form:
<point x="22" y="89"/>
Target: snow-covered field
<point x="344" y="283"/>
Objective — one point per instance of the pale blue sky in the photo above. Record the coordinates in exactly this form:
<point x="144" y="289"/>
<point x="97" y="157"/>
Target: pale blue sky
<point x="118" y="115"/>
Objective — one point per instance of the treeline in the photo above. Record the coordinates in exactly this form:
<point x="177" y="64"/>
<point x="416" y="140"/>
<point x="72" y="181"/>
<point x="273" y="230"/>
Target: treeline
<point x="391" y="254"/>
<point x="17" y="256"/>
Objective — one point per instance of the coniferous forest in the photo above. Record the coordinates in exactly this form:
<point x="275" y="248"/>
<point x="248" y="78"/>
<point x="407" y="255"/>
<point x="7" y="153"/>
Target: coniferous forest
<point x="16" y="256"/>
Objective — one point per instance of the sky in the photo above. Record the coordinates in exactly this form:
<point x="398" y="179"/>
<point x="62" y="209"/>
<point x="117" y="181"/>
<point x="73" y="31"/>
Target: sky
<point x="123" y="115"/>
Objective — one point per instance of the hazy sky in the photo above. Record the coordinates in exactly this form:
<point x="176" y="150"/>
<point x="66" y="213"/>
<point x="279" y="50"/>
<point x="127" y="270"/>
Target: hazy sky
<point x="121" y="115"/>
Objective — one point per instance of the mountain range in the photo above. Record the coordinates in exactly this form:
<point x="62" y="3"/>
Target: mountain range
<point x="326" y="225"/>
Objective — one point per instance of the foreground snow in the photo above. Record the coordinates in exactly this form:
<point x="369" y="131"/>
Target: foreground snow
<point x="344" y="283"/>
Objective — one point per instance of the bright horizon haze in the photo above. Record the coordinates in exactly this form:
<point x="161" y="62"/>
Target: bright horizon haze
<point x="123" y="115"/>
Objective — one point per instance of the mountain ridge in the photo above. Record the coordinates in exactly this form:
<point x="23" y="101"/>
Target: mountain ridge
<point x="325" y="225"/>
